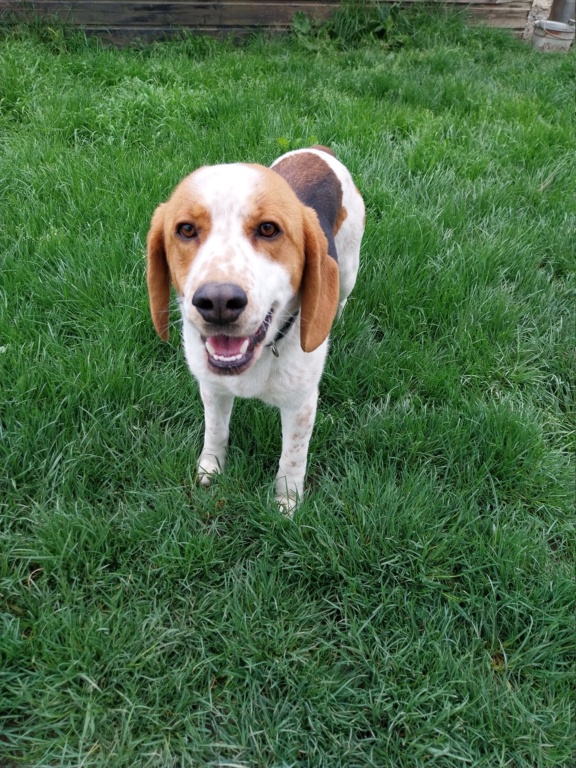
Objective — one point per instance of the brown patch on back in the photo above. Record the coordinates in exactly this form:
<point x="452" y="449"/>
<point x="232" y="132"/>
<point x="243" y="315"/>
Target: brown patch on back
<point x="317" y="186"/>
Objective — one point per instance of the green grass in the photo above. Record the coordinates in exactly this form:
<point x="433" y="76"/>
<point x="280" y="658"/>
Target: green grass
<point x="419" y="610"/>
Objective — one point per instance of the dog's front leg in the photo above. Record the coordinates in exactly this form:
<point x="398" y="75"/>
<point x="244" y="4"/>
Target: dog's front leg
<point x="217" y="411"/>
<point x="297" y="425"/>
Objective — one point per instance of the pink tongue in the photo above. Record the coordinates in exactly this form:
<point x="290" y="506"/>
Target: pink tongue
<point x="226" y="346"/>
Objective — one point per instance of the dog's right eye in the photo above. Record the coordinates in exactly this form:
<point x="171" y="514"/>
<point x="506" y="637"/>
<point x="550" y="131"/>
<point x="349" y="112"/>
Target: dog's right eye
<point x="187" y="231"/>
<point x="268" y="230"/>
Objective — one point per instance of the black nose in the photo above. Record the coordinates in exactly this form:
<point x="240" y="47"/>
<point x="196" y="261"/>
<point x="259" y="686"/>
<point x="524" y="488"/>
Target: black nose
<point x="220" y="303"/>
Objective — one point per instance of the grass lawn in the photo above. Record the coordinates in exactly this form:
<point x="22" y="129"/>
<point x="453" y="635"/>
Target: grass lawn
<point x="420" y="608"/>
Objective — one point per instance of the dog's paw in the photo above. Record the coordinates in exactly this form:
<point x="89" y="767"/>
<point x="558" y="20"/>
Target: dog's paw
<point x="286" y="504"/>
<point x="204" y="479"/>
<point x="208" y="466"/>
<point x="288" y="496"/>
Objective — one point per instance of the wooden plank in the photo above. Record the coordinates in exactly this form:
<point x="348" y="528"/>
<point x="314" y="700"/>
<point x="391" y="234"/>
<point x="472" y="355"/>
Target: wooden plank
<point x="199" y="14"/>
<point x="86" y="13"/>
<point x="232" y="15"/>
<point x="511" y="16"/>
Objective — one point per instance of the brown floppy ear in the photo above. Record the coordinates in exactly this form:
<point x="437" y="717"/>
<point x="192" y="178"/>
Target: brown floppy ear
<point x="158" y="275"/>
<point x="320" y="286"/>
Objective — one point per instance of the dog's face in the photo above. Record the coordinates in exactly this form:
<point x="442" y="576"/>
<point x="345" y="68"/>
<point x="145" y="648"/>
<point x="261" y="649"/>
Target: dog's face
<point x="242" y="252"/>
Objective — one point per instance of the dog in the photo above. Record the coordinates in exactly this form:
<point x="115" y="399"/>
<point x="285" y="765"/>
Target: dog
<point x="262" y="260"/>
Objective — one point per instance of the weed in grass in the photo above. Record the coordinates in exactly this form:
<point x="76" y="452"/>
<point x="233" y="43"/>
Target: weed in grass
<point x="420" y="609"/>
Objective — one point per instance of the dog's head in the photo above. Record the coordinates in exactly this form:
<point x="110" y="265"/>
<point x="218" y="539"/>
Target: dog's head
<point x="243" y="254"/>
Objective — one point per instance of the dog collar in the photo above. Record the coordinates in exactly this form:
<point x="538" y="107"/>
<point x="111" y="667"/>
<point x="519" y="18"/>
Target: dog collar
<point x="281" y="333"/>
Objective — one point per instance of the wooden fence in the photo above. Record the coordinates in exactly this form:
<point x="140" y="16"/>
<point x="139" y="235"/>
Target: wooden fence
<point x="123" y="21"/>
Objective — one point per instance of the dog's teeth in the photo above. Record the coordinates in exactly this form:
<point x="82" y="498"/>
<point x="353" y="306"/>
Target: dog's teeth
<point x="210" y="348"/>
<point x="244" y="347"/>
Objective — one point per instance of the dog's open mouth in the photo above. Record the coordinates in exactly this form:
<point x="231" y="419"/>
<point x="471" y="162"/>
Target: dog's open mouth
<point x="233" y="354"/>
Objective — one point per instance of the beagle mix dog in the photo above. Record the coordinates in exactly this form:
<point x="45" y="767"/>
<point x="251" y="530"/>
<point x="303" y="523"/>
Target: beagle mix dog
<point x="262" y="260"/>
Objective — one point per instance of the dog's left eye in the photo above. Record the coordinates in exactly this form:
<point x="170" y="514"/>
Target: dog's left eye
<point x="268" y="229"/>
<point x="187" y="231"/>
